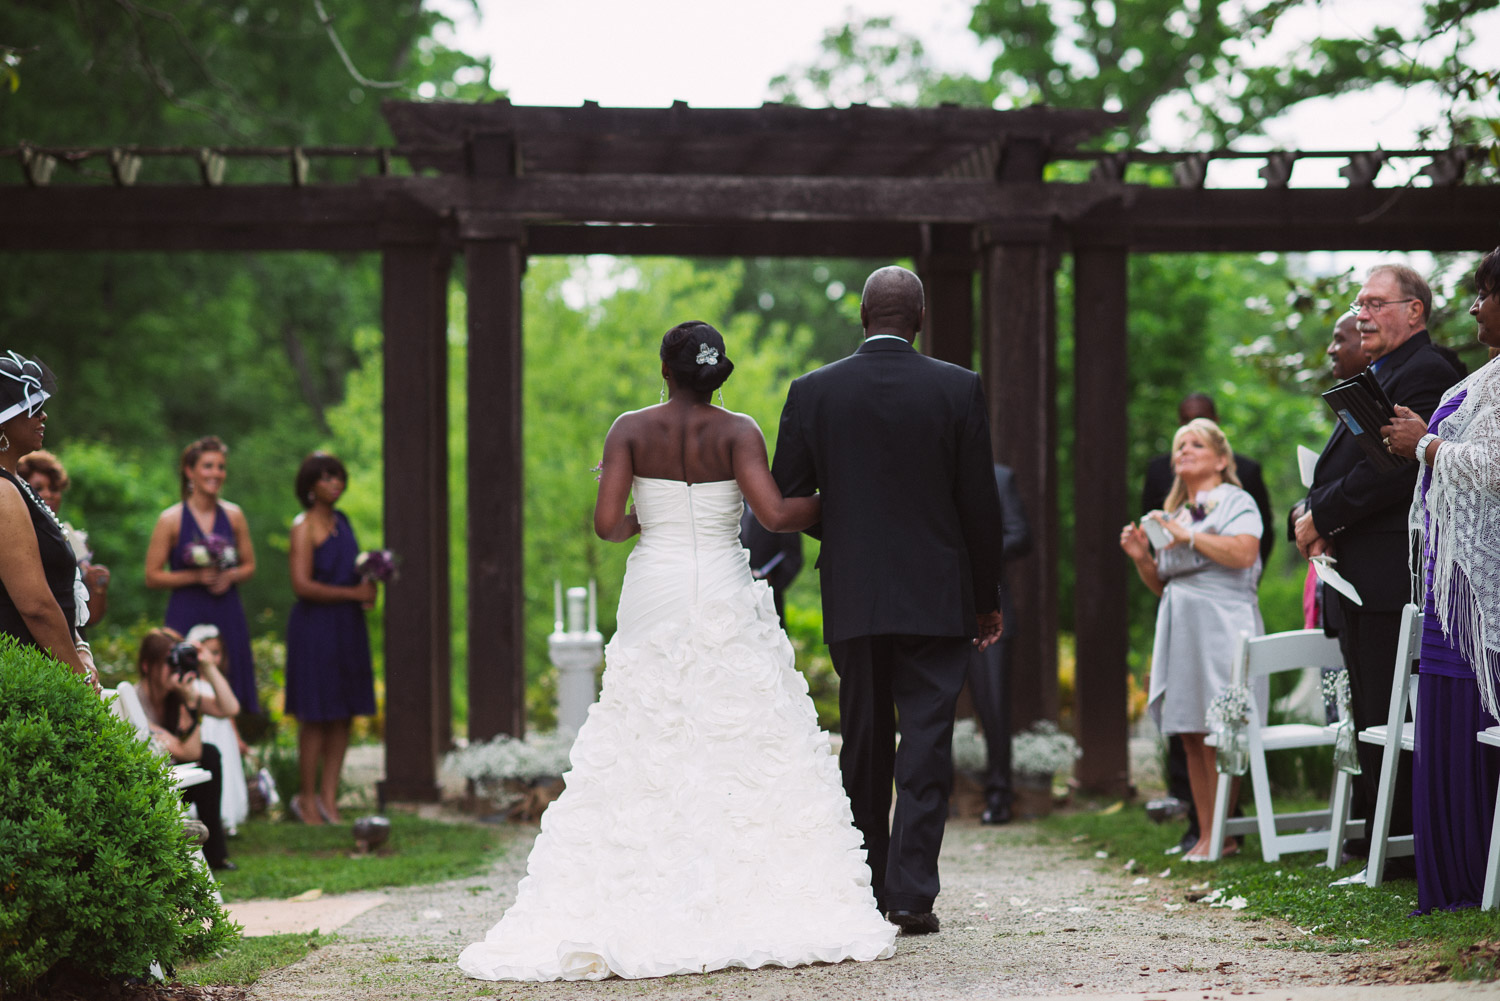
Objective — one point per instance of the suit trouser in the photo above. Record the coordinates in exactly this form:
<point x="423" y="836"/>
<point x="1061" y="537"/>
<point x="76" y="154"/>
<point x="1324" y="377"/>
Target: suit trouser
<point x="1369" y="641"/>
<point x="918" y="679"/>
<point x="989" y="685"/>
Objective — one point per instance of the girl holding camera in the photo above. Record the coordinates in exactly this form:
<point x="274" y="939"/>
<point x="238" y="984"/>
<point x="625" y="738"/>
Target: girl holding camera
<point x="174" y="705"/>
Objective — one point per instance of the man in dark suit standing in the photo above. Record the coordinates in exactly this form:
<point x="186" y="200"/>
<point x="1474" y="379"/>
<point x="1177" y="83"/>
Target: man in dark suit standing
<point x="775" y="557"/>
<point x="1357" y="513"/>
<point x="1158" y="482"/>
<point x="989" y="670"/>
<point x="899" y="445"/>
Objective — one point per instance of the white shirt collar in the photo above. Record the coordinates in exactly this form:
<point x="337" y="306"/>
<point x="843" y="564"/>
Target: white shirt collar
<point x="893" y="337"/>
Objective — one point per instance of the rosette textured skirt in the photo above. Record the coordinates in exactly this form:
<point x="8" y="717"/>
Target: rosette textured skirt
<point x="703" y="824"/>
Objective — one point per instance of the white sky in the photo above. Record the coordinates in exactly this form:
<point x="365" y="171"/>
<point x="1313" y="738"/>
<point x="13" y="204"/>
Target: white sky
<point x="710" y="53"/>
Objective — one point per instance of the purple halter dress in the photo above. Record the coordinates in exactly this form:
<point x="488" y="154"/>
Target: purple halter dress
<point x="195" y="605"/>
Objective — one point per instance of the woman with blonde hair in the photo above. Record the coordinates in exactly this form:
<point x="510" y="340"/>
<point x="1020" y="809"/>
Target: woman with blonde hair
<point x="1205" y="575"/>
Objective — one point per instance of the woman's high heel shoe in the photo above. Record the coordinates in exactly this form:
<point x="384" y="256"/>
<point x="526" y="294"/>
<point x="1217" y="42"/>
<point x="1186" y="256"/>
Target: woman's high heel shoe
<point x="323" y="812"/>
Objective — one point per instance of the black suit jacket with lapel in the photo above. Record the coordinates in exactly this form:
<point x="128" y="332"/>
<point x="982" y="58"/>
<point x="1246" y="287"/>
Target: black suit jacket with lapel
<point x="899" y="445"/>
<point x="1361" y="509"/>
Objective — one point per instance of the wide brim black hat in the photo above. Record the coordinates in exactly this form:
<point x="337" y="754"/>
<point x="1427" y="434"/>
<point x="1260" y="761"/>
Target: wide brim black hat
<point x="25" y="384"/>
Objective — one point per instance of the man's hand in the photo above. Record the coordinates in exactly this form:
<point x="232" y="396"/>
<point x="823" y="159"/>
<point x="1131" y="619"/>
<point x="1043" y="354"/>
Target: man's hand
<point x="991" y="625"/>
<point x="1309" y="542"/>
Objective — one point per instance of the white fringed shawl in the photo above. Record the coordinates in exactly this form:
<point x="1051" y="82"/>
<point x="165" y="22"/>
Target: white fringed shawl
<point x="1464" y="505"/>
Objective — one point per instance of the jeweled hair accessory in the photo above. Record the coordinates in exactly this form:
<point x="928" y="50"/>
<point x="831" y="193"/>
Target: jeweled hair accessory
<point x="25" y="387"/>
<point x="707" y="355"/>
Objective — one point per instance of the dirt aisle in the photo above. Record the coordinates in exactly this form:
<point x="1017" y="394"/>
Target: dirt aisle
<point x="1020" y="918"/>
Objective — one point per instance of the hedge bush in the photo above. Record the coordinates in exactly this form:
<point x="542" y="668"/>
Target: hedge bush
<point x="97" y="878"/>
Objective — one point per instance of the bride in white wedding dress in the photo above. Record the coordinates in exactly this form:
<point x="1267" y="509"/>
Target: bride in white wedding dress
<point x="703" y="824"/>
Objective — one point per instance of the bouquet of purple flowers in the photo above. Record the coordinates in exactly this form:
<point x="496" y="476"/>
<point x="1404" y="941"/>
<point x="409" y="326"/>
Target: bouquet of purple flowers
<point x="376" y="564"/>
<point x="214" y="551"/>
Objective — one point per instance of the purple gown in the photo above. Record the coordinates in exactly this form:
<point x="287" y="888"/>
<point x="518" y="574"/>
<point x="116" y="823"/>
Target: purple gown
<point x="328" y="675"/>
<point x="195" y="605"/>
<point x="1453" y="775"/>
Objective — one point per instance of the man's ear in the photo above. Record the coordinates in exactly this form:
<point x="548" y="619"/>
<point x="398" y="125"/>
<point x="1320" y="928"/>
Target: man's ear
<point x="864" y="318"/>
<point x="921" y="319"/>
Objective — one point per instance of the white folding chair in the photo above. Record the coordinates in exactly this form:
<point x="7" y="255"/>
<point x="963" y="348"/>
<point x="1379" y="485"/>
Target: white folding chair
<point x="1396" y="734"/>
<point x="1254" y="659"/>
<point x="1491" y="898"/>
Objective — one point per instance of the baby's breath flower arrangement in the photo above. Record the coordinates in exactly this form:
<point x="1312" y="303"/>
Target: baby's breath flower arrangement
<point x="1228" y="717"/>
<point x="1042" y="749"/>
<point x="969" y="753"/>
<point x="539" y="756"/>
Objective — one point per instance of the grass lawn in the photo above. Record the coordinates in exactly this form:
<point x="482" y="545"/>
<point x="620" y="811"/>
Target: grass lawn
<point x="1461" y="944"/>
<point x="245" y="961"/>
<point x="281" y="859"/>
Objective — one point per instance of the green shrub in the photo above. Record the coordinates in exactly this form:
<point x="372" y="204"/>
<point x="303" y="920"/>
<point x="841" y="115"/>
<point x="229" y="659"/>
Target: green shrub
<point x="96" y="875"/>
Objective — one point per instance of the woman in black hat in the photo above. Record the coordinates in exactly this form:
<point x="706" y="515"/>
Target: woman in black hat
<point x="41" y="593"/>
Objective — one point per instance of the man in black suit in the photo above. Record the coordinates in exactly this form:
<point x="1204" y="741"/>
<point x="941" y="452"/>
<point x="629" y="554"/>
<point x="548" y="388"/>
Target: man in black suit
<point x="989" y="670"/>
<point x="775" y="557"/>
<point x="1357" y="513"/>
<point x="1154" y="490"/>
<point x="899" y="445"/>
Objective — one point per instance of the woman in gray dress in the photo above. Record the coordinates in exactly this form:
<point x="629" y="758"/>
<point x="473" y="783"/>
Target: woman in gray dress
<point x="1206" y="577"/>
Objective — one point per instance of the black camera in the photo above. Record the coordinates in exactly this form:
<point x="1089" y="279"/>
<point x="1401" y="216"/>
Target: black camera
<point x="183" y="659"/>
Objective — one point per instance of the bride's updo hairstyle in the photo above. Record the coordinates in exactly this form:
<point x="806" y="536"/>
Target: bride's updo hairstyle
<point x="694" y="351"/>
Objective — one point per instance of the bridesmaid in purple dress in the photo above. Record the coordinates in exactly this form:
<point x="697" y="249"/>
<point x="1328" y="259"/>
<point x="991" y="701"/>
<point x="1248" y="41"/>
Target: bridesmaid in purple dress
<point x="328" y="675"/>
<point x="1456" y="513"/>
<point x="201" y="550"/>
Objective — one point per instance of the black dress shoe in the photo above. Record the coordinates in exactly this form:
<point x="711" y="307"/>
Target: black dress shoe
<point x="996" y="815"/>
<point x="914" y="922"/>
<point x="224" y="866"/>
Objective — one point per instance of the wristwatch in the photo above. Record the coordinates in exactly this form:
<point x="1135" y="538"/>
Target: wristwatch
<point x="1422" y="443"/>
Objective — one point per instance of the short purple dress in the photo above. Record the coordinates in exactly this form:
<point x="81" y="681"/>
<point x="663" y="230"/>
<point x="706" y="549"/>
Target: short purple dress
<point x="1453" y="775"/>
<point x="195" y="605"/>
<point x="328" y="674"/>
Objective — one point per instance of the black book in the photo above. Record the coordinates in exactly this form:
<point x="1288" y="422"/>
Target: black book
<point x="1364" y="409"/>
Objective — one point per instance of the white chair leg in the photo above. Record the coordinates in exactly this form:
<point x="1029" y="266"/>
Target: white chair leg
<point x="1221" y="815"/>
<point x="1491" y="898"/>
<point x="1379" y="827"/>
<point x="1265" y="810"/>
<point x="1339" y="816"/>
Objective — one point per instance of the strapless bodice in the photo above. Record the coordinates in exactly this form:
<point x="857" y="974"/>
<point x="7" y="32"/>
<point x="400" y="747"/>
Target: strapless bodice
<point x="689" y="550"/>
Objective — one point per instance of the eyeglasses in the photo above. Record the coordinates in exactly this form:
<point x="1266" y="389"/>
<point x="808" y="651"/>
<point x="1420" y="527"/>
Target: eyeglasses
<point x="1373" y="305"/>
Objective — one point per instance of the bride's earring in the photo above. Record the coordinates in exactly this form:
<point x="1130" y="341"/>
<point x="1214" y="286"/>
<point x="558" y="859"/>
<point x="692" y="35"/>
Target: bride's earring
<point x="663" y="397"/>
<point x="5" y="438"/>
<point x="721" y="396"/>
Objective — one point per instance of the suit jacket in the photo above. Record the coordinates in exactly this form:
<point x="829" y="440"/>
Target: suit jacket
<point x="899" y="445"/>
<point x="765" y="545"/>
<point x="1361" y="510"/>
<point x="1159" y="483"/>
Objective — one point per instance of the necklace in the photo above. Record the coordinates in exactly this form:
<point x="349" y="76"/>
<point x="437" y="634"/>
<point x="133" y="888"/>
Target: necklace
<point x="37" y="501"/>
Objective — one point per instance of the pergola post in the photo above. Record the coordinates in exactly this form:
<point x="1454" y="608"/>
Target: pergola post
<point x="1101" y="506"/>
<point x="1019" y="365"/>
<point x="495" y="261"/>
<point x="946" y="267"/>
<point x="414" y="312"/>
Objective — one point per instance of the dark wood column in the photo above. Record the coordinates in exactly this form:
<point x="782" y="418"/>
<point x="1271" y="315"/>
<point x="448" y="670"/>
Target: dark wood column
<point x="415" y="318"/>
<point x="497" y="663"/>
<point x="947" y="270"/>
<point x="1101" y="505"/>
<point x="1019" y="362"/>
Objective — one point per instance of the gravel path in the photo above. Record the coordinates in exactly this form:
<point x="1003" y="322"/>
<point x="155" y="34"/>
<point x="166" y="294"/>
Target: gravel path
<point x="1020" y="918"/>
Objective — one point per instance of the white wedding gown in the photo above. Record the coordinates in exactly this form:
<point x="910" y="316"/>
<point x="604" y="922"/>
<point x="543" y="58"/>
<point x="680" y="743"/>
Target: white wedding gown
<point x="703" y="825"/>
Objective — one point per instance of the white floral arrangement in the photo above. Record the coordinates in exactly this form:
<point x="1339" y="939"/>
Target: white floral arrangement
<point x="1042" y="749"/>
<point x="1230" y="708"/>
<point x="539" y="756"/>
<point x="1336" y="690"/>
<point x="969" y="753"/>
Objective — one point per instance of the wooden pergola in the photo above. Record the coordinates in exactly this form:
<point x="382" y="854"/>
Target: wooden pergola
<point x="963" y="192"/>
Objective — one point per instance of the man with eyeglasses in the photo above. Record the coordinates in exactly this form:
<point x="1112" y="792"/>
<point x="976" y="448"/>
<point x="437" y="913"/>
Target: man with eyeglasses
<point x="1357" y="514"/>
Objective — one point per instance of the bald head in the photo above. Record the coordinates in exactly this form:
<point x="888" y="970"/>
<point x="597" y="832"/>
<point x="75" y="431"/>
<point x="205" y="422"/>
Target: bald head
<point x="892" y="303"/>
<point x="1345" y="351"/>
<point x="1196" y="405"/>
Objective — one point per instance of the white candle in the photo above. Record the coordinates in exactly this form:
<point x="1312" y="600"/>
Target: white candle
<point x="593" y="607"/>
<point x="557" y="624"/>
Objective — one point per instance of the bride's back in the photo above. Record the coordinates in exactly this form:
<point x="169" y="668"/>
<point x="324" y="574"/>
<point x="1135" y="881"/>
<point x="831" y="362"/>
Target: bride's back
<point x="680" y="440"/>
